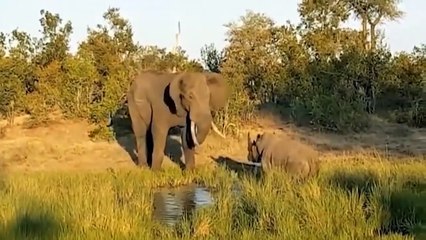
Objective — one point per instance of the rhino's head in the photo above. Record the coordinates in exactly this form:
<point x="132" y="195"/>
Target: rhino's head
<point x="253" y="154"/>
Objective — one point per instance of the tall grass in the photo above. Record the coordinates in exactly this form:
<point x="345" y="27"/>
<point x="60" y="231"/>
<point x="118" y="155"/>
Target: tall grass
<point x="350" y="199"/>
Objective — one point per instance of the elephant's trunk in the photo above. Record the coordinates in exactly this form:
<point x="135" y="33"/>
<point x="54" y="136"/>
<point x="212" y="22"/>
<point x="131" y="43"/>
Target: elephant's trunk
<point x="198" y="129"/>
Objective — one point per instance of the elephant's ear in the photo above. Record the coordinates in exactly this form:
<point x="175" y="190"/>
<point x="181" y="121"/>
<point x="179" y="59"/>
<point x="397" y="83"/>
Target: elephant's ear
<point x="176" y="88"/>
<point x="219" y="90"/>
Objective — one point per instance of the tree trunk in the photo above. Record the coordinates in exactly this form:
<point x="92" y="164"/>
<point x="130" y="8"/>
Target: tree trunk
<point x="364" y="32"/>
<point x="373" y="37"/>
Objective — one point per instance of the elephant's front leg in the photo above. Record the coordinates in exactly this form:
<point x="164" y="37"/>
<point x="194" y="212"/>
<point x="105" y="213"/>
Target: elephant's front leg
<point x="159" y="137"/>
<point x="189" y="158"/>
<point x="188" y="153"/>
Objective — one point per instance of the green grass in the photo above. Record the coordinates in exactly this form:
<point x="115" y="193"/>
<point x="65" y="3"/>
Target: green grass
<point x="351" y="199"/>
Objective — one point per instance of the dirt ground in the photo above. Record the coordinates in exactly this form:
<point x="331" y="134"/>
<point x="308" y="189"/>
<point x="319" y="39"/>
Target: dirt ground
<point x="65" y="145"/>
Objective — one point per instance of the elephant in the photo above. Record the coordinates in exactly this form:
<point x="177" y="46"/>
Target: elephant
<point x="271" y="150"/>
<point x="158" y="101"/>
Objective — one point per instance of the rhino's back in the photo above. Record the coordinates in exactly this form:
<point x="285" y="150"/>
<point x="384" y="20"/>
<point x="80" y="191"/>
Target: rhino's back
<point x="294" y="157"/>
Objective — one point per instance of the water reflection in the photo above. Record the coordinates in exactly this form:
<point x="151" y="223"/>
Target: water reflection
<point x="171" y="204"/>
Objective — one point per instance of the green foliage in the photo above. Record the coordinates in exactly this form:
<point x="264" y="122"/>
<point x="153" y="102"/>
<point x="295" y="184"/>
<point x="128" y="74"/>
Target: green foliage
<point x="326" y="75"/>
<point x="212" y="57"/>
<point x="360" y="198"/>
<point x="40" y="76"/>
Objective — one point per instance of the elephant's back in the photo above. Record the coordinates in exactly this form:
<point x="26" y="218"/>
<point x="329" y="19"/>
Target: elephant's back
<point x="154" y="77"/>
<point x="152" y="82"/>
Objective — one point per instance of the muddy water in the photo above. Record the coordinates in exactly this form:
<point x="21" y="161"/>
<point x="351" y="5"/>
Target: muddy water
<point x="171" y="204"/>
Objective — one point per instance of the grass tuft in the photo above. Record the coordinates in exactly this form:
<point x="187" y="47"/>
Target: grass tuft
<point x="350" y="199"/>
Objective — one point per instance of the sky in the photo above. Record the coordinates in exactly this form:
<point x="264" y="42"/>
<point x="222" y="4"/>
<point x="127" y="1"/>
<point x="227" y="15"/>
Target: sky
<point x="155" y="22"/>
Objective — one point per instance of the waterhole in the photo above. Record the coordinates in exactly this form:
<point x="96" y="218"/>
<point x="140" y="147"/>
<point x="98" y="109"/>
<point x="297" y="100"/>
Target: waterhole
<point x="171" y="204"/>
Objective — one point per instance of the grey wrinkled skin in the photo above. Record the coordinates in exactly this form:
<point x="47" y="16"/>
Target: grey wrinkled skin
<point x="274" y="151"/>
<point x="158" y="101"/>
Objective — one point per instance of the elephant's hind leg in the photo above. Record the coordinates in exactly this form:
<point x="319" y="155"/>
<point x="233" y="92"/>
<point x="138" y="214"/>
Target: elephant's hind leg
<point x="140" y="112"/>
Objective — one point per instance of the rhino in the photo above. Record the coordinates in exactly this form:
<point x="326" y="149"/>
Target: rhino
<point x="270" y="150"/>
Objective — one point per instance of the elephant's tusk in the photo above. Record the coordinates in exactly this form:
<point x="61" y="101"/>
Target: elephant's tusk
<point x="216" y="130"/>
<point x="183" y="136"/>
<point x="256" y="164"/>
<point x="194" y="137"/>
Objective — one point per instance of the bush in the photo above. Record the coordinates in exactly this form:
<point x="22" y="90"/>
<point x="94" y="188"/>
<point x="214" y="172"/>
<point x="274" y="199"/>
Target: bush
<point x="325" y="76"/>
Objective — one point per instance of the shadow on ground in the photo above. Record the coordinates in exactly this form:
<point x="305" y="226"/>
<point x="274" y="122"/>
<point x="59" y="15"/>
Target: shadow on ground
<point x="403" y="204"/>
<point x="174" y="147"/>
<point x="239" y="167"/>
<point x="122" y="128"/>
<point x="35" y="223"/>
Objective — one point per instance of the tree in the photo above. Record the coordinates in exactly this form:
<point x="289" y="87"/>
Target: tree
<point x="2" y="44"/>
<point x="212" y="58"/>
<point x="252" y="50"/>
<point x="316" y="72"/>
<point x="320" y="26"/>
<point x="54" y="44"/>
<point x="374" y="12"/>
